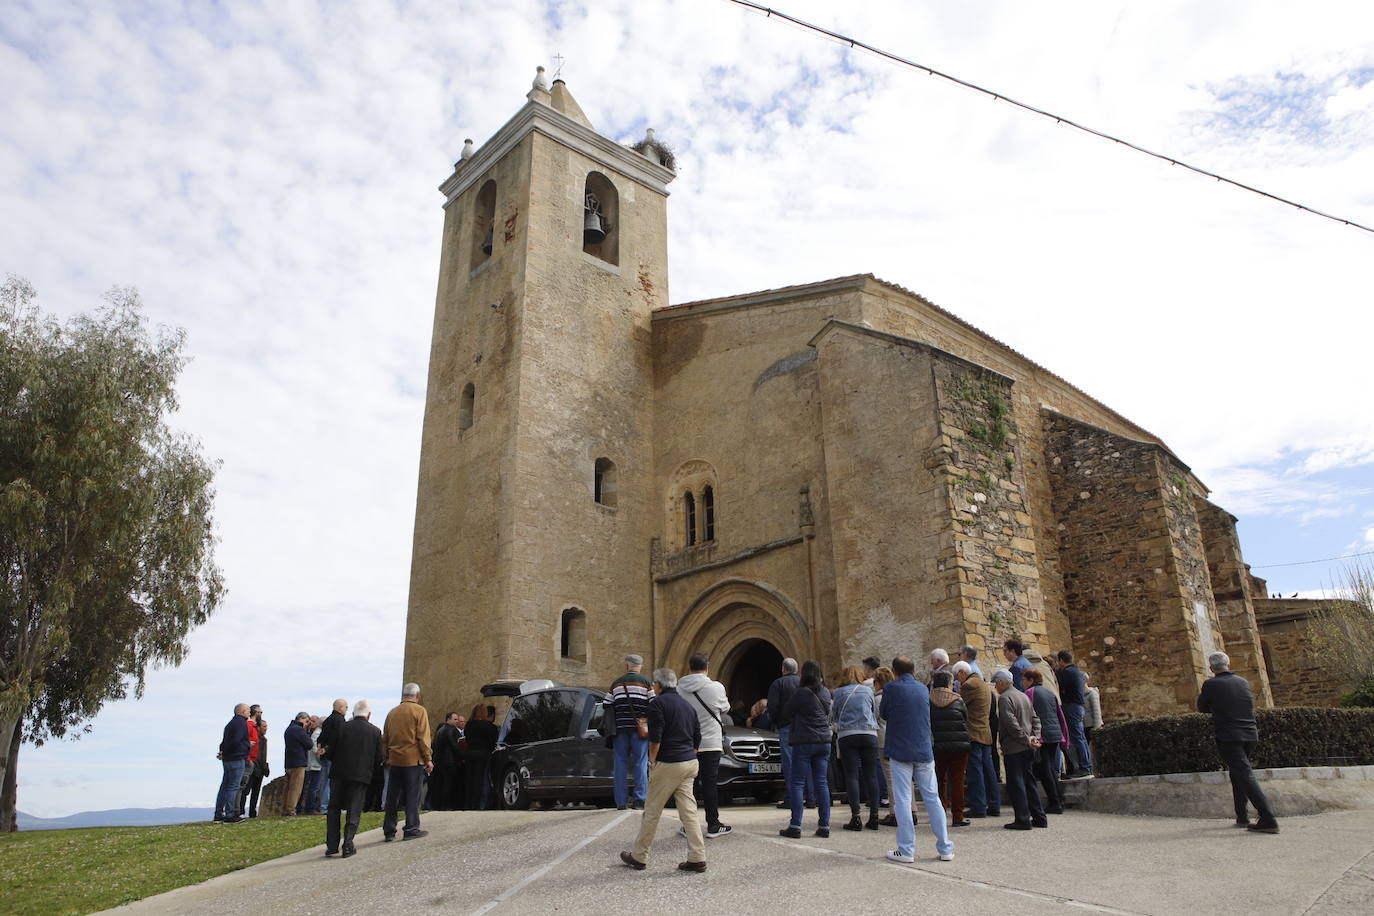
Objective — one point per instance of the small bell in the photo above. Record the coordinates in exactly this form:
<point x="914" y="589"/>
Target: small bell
<point x="593" y="228"/>
<point x="486" y="242"/>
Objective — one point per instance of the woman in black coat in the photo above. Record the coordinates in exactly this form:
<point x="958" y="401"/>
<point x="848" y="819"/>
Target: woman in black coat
<point x="950" y="741"/>
<point x="807" y="715"/>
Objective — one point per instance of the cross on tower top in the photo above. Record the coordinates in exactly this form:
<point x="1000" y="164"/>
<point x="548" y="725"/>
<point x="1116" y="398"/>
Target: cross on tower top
<point x="558" y="60"/>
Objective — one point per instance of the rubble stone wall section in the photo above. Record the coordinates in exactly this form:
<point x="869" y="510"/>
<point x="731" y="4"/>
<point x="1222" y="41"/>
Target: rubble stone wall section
<point x="1231" y="592"/>
<point x="1294" y="672"/>
<point x="1136" y="582"/>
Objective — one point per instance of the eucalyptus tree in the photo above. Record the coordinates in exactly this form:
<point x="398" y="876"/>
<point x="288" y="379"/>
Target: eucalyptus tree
<point x="106" y="532"/>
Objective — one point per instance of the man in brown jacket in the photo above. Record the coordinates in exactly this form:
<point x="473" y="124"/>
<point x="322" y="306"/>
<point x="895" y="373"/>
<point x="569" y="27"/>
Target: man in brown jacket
<point x="982" y="791"/>
<point x="406" y="742"/>
<point x="1018" y="727"/>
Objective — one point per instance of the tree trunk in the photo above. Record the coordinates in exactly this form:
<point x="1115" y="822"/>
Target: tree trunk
<point x="9" y="760"/>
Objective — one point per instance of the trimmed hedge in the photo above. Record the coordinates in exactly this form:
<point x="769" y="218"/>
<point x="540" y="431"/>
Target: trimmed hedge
<point x="1292" y="736"/>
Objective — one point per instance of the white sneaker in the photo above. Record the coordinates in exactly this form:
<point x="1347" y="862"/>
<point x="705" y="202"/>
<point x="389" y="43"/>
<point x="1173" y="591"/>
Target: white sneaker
<point x="946" y="857"/>
<point x="894" y="855"/>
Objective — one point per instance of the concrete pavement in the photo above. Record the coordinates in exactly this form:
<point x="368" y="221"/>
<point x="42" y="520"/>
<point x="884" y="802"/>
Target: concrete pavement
<point x="566" y="861"/>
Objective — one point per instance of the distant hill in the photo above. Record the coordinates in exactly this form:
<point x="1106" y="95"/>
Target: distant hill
<point x="119" y="817"/>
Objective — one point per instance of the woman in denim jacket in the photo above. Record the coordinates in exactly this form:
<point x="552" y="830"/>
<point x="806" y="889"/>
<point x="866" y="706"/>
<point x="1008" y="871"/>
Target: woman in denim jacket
<point x="854" y="711"/>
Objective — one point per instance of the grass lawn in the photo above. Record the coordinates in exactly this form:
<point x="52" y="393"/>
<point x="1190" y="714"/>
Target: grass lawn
<point x="82" y="871"/>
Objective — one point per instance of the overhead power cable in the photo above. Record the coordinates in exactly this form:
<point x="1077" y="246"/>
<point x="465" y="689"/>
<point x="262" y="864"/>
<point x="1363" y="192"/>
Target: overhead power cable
<point x="1058" y="119"/>
<point x="1349" y="556"/>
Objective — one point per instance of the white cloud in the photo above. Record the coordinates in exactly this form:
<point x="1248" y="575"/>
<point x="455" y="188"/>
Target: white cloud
<point x="266" y="175"/>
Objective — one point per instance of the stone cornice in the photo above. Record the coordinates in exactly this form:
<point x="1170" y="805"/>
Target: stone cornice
<point x="557" y="126"/>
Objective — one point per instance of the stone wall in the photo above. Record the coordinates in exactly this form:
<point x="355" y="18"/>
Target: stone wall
<point x="992" y="535"/>
<point x="1137" y="587"/>
<point x="900" y="311"/>
<point x="1231" y="592"/>
<point x="1295" y="675"/>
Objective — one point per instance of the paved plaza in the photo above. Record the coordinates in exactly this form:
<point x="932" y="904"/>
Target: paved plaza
<point x="567" y="862"/>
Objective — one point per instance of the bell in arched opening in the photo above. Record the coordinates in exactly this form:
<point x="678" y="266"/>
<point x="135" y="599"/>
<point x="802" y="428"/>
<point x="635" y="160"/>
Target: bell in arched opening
<point x="593" y="223"/>
<point x="486" y="241"/>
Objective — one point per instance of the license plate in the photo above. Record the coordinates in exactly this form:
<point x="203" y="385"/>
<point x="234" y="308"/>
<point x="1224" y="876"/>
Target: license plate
<point x="765" y="768"/>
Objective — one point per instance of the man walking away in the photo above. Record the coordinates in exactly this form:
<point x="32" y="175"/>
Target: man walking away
<point x="1019" y="731"/>
<point x="779" y="692"/>
<point x="629" y="700"/>
<point x="1071" y="696"/>
<point x="296" y="743"/>
<point x="708" y="700"/>
<point x="356" y="754"/>
<point x="406" y="740"/>
<point x="981" y="790"/>
<point x="329" y="730"/>
<point x="674" y="735"/>
<point x="1227" y="696"/>
<point x="905" y="706"/>
<point x="233" y="751"/>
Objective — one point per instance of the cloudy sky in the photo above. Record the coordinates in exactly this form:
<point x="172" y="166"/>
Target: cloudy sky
<point x="265" y="174"/>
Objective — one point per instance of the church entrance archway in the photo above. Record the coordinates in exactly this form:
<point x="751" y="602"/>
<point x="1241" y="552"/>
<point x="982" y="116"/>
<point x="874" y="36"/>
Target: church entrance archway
<point x="747" y="671"/>
<point x="747" y="628"/>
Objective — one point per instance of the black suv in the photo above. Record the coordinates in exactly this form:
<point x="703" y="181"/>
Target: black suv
<point x="552" y="748"/>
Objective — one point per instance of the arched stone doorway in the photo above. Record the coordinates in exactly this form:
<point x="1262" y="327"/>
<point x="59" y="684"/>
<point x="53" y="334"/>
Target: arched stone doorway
<point x="747" y="671"/>
<point x="746" y="628"/>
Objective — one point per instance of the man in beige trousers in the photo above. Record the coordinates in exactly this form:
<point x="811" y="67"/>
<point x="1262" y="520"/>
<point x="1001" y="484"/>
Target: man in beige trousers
<point x="674" y="736"/>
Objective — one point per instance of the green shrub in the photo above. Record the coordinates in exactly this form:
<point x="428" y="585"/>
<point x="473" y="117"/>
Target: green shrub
<point x="1293" y="736"/>
<point x="1362" y="695"/>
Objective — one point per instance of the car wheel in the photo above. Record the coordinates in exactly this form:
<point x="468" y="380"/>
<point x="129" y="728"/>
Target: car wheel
<point x="514" y="794"/>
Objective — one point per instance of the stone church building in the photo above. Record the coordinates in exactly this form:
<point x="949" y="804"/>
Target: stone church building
<point x="758" y="476"/>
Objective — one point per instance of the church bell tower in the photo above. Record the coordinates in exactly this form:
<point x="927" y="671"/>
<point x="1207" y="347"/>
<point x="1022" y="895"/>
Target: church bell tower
<point x="536" y="501"/>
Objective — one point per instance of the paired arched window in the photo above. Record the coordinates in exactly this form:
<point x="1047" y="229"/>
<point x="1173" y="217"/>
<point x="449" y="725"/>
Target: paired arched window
<point x="691" y="505"/>
<point x="484" y="224"/>
<point x="465" y="405"/>
<point x="572" y="635"/>
<point x="603" y="482"/>
<point x="601" y="218"/>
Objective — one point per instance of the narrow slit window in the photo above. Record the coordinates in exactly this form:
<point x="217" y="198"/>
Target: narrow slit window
<point x="603" y="482"/>
<point x="708" y="515"/>
<point x="689" y="504"/>
<point x="465" y="405"/>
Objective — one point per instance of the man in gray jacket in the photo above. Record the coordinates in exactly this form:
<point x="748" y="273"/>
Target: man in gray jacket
<point x="1018" y="728"/>
<point x="708" y="698"/>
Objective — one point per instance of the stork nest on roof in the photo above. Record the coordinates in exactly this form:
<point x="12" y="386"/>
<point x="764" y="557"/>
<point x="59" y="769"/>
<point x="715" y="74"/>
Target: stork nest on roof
<point x="657" y="150"/>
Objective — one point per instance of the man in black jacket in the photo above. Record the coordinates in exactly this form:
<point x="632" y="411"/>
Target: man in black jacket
<point x="233" y="751"/>
<point x="329" y="729"/>
<point x="674" y="736"/>
<point x="779" y="692"/>
<point x="357" y="754"/>
<point x="1226" y="695"/>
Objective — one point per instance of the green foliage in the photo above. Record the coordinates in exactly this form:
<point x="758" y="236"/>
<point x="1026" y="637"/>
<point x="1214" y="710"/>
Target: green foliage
<point x="1361" y="696"/>
<point x="88" y="870"/>
<point x="991" y="428"/>
<point x="1292" y="736"/>
<point x="106" y="540"/>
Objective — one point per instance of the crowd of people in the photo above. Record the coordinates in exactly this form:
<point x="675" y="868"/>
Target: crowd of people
<point x="342" y="766"/>
<point x="946" y="738"/>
